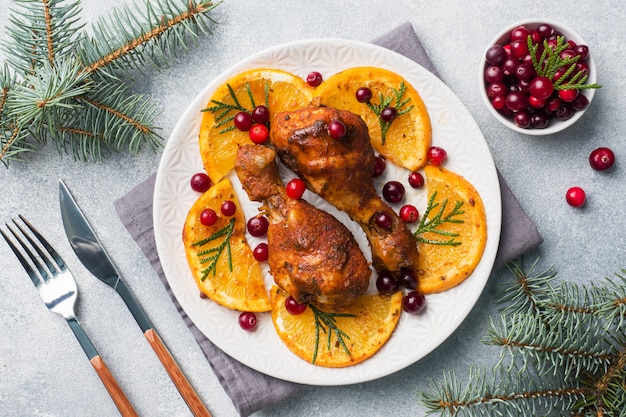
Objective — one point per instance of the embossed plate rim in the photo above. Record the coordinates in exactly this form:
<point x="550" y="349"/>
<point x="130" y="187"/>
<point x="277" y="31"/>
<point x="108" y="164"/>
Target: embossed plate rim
<point x="415" y="336"/>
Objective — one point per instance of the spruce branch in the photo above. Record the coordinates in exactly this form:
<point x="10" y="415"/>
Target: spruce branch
<point x="566" y="338"/>
<point x="60" y="84"/>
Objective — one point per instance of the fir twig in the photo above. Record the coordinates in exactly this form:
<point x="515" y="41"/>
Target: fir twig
<point x="326" y="322"/>
<point x="567" y="339"/>
<point x="212" y="256"/>
<point x="432" y="224"/>
<point x="60" y="84"/>
<point x="396" y="100"/>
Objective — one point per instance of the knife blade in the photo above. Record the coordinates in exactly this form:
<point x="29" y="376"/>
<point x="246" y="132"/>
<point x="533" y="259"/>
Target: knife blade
<point x="94" y="257"/>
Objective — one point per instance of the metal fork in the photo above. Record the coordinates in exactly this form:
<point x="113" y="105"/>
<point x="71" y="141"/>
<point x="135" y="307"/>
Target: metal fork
<point x="57" y="288"/>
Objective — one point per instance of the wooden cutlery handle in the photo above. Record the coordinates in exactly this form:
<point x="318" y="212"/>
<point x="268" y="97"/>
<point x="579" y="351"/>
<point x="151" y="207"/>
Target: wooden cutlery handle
<point x="190" y="396"/>
<point x="115" y="391"/>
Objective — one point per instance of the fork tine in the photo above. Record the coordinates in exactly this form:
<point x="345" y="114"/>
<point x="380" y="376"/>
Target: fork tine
<point x="29" y="269"/>
<point x="57" y="258"/>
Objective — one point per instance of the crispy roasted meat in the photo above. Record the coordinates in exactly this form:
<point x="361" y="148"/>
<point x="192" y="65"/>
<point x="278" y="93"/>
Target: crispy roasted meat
<point x="312" y="255"/>
<point x="340" y="171"/>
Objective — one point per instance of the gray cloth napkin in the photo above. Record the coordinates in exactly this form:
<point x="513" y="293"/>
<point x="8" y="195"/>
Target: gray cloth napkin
<point x="248" y="389"/>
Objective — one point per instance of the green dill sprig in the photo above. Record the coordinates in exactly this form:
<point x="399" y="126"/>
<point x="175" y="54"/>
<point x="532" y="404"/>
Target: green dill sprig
<point x="386" y="101"/>
<point x="432" y="224"/>
<point x="212" y="256"/>
<point x="551" y="61"/>
<point x="224" y="113"/>
<point x="327" y="322"/>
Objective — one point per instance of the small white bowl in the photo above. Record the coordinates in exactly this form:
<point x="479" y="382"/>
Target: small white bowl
<point x="554" y="125"/>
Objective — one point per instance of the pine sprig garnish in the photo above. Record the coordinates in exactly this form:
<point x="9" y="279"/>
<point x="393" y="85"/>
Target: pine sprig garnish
<point x="226" y="112"/>
<point x="566" y="339"/>
<point x="61" y="84"/>
<point x="432" y="225"/>
<point x="551" y="61"/>
<point x="326" y="322"/>
<point x="212" y="256"/>
<point x="397" y="100"/>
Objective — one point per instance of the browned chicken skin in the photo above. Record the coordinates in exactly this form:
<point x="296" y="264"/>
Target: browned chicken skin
<point x="312" y="255"/>
<point x="340" y="171"/>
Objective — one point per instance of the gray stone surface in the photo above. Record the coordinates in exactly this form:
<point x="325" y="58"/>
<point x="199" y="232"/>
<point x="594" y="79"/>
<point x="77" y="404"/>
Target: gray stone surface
<point x="43" y="371"/>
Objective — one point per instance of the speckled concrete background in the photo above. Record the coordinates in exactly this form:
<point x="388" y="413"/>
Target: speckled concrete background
<point x="43" y="371"/>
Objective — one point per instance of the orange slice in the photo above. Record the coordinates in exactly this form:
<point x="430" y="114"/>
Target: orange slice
<point x="219" y="256"/>
<point x="285" y="92"/>
<point x="408" y="136"/>
<point x="366" y="325"/>
<point x="444" y="266"/>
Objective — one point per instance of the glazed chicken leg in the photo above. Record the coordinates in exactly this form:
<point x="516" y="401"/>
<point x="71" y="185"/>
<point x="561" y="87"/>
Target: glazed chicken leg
<point x="312" y="255"/>
<point x="340" y="171"/>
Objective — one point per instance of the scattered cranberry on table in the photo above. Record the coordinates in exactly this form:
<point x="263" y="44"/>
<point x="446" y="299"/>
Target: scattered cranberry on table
<point x="576" y="197"/>
<point x="416" y="180"/>
<point x="601" y="159"/>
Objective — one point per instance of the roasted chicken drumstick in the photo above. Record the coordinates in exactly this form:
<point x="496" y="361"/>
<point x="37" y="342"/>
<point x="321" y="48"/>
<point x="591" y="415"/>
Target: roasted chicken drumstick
<point x="312" y="255"/>
<point x="340" y="171"/>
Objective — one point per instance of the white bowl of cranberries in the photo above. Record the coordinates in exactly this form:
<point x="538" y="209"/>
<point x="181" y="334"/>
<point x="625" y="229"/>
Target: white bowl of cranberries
<point x="538" y="77"/>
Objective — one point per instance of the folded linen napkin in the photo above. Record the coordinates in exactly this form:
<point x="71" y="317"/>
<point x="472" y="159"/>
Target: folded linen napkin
<point x="248" y="389"/>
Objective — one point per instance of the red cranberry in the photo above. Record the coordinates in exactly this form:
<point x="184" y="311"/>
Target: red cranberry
<point x="243" y="121"/>
<point x="261" y="252"/>
<point x="519" y="33"/>
<point x="247" y="320"/>
<point x="363" y="95"/>
<point x="576" y="197"/>
<point x="261" y="114"/>
<point x="582" y="51"/>
<point x="208" y="217"/>
<point x="389" y="114"/>
<point x="416" y="180"/>
<point x="516" y="101"/>
<point x="314" y="78"/>
<point x="522" y="119"/>
<point x="496" y="89"/>
<point x="436" y="155"/>
<point x="580" y="103"/>
<point x="519" y="48"/>
<point x="493" y="74"/>
<point x="386" y="283"/>
<point x="568" y="95"/>
<point x="257" y="226"/>
<point x="336" y="129"/>
<point x="393" y="191"/>
<point x="380" y="163"/>
<point x="601" y="159"/>
<point x="295" y="188"/>
<point x="383" y="220"/>
<point x="408" y="279"/>
<point x="200" y="182"/>
<point x="259" y="133"/>
<point x="541" y="87"/>
<point x="414" y="302"/>
<point x="409" y="213"/>
<point x="544" y="30"/>
<point x="293" y="307"/>
<point x="495" y="55"/>
<point x="228" y="208"/>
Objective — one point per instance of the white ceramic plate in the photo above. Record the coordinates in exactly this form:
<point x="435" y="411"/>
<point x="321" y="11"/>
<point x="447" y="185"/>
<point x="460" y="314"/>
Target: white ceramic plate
<point x="468" y="154"/>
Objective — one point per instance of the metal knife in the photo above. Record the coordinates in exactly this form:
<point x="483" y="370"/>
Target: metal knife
<point x="94" y="257"/>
